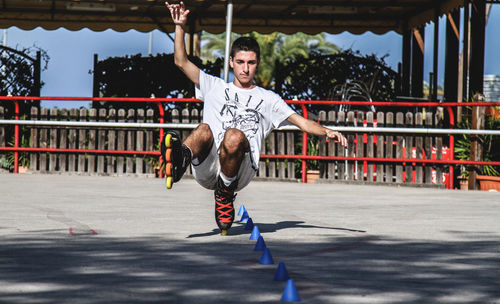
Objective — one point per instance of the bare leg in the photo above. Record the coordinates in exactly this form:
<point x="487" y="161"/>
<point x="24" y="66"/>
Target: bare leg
<point x="200" y="141"/>
<point x="233" y="148"/>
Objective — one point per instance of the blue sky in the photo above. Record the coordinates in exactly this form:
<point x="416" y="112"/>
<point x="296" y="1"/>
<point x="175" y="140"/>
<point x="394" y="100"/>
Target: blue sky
<point x="71" y="53"/>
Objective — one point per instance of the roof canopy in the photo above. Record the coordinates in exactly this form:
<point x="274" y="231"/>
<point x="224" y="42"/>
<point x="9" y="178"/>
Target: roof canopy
<point x="309" y="16"/>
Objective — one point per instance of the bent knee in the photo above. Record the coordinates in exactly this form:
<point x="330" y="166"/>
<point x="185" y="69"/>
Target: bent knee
<point x="235" y="141"/>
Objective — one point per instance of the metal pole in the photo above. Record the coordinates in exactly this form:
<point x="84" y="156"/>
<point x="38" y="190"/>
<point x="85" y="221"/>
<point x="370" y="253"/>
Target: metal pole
<point x="150" y="49"/>
<point x="229" y="21"/>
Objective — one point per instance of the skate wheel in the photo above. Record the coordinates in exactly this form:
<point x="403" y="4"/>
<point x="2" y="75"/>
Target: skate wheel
<point x="168" y="140"/>
<point x="168" y="169"/>
<point x="223" y="232"/>
<point x="168" y="182"/>
<point x="168" y="155"/>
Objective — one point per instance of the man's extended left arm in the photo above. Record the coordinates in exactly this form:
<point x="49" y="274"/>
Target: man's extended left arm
<point x="315" y="128"/>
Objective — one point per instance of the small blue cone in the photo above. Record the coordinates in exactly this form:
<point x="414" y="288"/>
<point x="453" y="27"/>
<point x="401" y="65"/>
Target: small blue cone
<point x="244" y="217"/>
<point x="260" y="245"/>
<point x="266" y="258"/>
<point x="242" y="210"/>
<point x="249" y="225"/>
<point x="290" y="293"/>
<point x="255" y="233"/>
<point x="281" y="273"/>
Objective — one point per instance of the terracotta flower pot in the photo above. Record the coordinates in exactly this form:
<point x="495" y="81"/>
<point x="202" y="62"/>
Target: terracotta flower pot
<point x="488" y="183"/>
<point x="312" y="175"/>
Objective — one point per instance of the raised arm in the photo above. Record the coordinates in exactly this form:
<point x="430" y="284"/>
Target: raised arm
<point x="179" y="17"/>
<point x="315" y="128"/>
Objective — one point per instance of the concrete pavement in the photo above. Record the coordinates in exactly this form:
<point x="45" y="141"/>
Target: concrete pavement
<point x="82" y="239"/>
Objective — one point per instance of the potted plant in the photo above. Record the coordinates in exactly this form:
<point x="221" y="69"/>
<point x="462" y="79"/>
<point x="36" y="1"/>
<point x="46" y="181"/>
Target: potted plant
<point x="488" y="175"/>
<point x="7" y="162"/>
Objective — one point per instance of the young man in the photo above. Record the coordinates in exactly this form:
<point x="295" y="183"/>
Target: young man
<point x="237" y="117"/>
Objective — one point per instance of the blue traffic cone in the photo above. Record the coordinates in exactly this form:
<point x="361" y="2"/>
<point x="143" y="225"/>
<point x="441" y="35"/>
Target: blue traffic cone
<point x="242" y="210"/>
<point x="290" y="293"/>
<point x="266" y="258"/>
<point x="244" y="217"/>
<point x="255" y="233"/>
<point x="281" y="273"/>
<point x="249" y="225"/>
<point x="260" y="245"/>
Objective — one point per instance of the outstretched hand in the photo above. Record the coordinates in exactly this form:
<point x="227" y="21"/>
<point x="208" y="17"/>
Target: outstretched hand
<point x="179" y="13"/>
<point x="337" y="135"/>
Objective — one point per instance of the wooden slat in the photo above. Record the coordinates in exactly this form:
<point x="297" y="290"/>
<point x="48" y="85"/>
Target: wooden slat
<point x="139" y="144"/>
<point x="331" y="148"/>
<point x="44" y="113"/>
<point x="428" y="149"/>
<point x="322" y="146"/>
<point x="290" y="149"/>
<point x="272" y="150"/>
<point x="53" y="142"/>
<point x="149" y="140"/>
<point x="438" y="120"/>
<point x="341" y="151"/>
<point x="351" y="148"/>
<point x="399" y="147"/>
<point x="91" y="159"/>
<point x="380" y="147"/>
<point x="281" y="150"/>
<point x="72" y="139"/>
<point x="419" y="146"/>
<point x="360" y="148"/>
<point x="101" y="143"/>
<point x="369" y="147"/>
<point x="389" y="152"/>
<point x="262" y="162"/>
<point x="120" y="144"/>
<point x="63" y="143"/>
<point x="111" y="159"/>
<point x="82" y="140"/>
<point x="409" y="147"/>
<point x="33" y="139"/>
<point x="130" y="142"/>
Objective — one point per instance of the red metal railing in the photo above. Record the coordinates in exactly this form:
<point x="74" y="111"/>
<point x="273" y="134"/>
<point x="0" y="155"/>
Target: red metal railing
<point x="304" y="157"/>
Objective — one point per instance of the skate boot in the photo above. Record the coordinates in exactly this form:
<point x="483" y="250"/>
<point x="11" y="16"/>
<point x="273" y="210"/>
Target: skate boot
<point x="224" y="208"/>
<point x="176" y="157"/>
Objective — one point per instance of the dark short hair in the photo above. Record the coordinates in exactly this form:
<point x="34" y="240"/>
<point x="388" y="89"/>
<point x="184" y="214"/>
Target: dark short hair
<point x="248" y="44"/>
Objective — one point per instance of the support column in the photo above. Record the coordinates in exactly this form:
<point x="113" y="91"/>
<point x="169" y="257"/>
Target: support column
<point x="452" y="56"/>
<point x="417" y="62"/>
<point x="476" y="67"/>
<point x="406" y="63"/>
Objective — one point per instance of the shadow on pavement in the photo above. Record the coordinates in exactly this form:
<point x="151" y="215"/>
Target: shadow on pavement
<point x="52" y="268"/>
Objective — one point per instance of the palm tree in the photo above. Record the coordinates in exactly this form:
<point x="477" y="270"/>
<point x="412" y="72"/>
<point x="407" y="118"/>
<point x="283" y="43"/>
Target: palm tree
<point x="273" y="47"/>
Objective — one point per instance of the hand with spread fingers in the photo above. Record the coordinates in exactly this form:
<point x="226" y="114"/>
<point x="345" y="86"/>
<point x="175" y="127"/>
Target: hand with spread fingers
<point x="337" y="135"/>
<point x="179" y="13"/>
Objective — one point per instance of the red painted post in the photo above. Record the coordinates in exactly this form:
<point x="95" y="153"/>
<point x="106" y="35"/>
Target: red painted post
<point x="452" y="148"/>
<point x="16" y="137"/>
<point x="304" y="147"/>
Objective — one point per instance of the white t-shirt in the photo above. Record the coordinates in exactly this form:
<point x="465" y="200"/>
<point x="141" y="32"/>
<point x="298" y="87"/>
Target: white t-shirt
<point x="255" y="112"/>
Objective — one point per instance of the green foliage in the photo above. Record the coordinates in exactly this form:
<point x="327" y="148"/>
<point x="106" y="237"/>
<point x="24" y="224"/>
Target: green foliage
<point x="17" y="75"/>
<point x="7" y="161"/>
<point x="137" y="76"/>
<point x="315" y="77"/>
<point x="489" y="143"/>
<point x="274" y="47"/>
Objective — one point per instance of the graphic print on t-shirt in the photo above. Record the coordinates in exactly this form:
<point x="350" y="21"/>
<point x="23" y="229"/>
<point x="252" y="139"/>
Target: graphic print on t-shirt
<point x="240" y="114"/>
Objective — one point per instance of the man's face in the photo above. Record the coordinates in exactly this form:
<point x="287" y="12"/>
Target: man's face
<point x="244" y="65"/>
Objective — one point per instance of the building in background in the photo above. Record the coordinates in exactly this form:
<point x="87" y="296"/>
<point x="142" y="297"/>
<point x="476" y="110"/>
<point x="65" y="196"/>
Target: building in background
<point x="492" y="87"/>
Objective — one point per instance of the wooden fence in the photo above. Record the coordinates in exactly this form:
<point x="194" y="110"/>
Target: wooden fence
<point x="279" y="142"/>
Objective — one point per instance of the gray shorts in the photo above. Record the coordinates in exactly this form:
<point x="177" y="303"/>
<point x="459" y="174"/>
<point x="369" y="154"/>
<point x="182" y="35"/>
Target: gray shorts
<point x="206" y="173"/>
